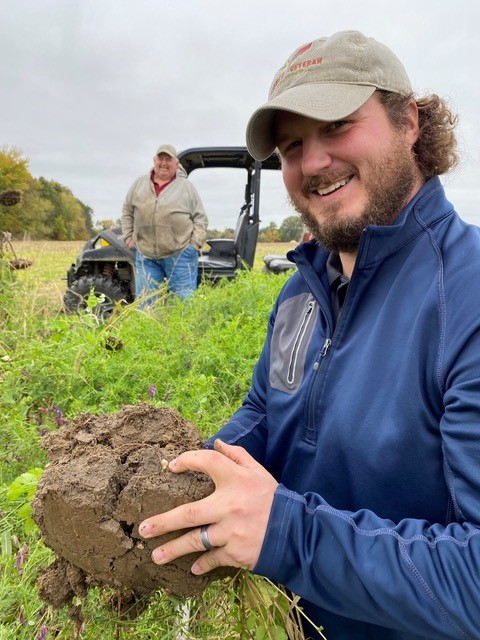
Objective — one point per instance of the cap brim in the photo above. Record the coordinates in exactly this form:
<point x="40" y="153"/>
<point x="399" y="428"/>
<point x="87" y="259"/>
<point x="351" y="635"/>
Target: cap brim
<point x="170" y="151"/>
<point x="326" y="102"/>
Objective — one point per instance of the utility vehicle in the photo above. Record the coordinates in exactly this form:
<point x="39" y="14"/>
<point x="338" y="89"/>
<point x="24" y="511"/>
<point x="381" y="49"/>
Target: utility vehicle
<point x="106" y="266"/>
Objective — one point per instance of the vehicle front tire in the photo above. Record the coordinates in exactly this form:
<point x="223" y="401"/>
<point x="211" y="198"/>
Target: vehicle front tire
<point x="107" y="291"/>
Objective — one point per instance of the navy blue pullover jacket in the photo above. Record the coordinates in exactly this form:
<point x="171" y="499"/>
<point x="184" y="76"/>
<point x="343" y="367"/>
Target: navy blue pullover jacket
<point x="373" y="430"/>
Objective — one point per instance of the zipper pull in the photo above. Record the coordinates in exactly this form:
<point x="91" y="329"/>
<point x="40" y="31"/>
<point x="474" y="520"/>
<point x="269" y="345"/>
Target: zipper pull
<point x="326" y="346"/>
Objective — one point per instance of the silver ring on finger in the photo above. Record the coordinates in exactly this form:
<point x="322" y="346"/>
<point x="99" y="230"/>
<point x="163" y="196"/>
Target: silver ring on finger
<point x="204" y="538"/>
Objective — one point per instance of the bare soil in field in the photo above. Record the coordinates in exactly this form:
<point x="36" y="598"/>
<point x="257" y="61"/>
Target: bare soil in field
<point x="106" y="474"/>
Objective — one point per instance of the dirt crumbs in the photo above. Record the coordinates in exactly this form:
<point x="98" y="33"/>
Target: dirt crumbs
<point x="106" y="474"/>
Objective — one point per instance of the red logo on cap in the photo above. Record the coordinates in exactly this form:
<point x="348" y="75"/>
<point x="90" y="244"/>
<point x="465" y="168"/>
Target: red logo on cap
<point x="305" y="47"/>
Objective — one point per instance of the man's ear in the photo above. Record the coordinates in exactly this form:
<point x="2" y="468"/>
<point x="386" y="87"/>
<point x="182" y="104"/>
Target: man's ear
<point x="412" y="127"/>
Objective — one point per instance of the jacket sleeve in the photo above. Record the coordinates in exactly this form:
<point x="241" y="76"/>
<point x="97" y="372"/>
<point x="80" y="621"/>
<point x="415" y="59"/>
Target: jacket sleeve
<point x="415" y="576"/>
<point x="127" y="214"/>
<point x="199" y="219"/>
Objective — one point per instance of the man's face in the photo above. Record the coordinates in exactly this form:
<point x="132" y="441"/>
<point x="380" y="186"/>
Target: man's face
<point x="164" y="166"/>
<point x="342" y="176"/>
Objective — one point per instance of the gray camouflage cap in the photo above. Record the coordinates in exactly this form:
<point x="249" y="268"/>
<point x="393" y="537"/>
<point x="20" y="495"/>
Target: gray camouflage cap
<point x="168" y="149"/>
<point x="327" y="79"/>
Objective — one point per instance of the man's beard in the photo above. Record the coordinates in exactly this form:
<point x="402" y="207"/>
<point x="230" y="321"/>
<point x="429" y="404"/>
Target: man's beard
<point x="388" y="184"/>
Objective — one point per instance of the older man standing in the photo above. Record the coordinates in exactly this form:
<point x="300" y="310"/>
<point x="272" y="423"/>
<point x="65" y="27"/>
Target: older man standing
<point x="164" y="220"/>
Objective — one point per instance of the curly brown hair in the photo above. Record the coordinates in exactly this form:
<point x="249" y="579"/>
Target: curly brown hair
<point x="436" y="147"/>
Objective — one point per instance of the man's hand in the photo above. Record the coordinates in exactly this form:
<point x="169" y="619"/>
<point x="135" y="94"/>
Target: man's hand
<point x="237" y="512"/>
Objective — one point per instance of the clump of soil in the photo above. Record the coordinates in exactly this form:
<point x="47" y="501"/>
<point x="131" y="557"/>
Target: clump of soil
<point x="107" y="473"/>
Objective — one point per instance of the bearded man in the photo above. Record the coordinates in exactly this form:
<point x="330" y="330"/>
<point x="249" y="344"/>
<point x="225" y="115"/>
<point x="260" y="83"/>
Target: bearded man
<point x="351" y="473"/>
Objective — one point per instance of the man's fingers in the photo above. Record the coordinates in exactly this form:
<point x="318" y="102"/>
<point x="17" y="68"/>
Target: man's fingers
<point x="217" y="464"/>
<point x="185" y="516"/>
<point x="239" y="509"/>
<point x="190" y="542"/>
<point x="221" y="465"/>
<point x="235" y="453"/>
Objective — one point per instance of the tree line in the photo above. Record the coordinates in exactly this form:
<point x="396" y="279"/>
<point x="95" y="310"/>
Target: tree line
<point x="47" y="209"/>
<point x="291" y="228"/>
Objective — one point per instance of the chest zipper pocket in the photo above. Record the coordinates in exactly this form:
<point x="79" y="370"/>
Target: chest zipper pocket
<point x="292" y="365"/>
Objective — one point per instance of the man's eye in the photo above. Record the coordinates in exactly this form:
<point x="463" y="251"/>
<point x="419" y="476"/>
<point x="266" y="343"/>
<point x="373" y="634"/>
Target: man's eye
<point x="338" y="124"/>
<point x="290" y="146"/>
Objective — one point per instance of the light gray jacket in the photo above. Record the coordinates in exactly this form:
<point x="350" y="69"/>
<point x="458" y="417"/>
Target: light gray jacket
<point x="164" y="225"/>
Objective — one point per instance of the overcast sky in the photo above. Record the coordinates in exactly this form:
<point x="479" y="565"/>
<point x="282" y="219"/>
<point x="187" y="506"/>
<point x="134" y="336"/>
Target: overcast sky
<point x="90" y="88"/>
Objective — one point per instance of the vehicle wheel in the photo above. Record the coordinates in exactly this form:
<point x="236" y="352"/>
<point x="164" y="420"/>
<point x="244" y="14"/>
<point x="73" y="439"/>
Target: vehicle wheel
<point x="107" y="291"/>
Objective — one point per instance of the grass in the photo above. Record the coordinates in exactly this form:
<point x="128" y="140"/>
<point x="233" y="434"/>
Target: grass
<point x="198" y="356"/>
<point x="46" y="278"/>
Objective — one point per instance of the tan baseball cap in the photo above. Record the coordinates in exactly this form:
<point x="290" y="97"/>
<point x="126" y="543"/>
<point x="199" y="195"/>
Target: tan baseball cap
<point x="327" y="79"/>
<point x="168" y="149"/>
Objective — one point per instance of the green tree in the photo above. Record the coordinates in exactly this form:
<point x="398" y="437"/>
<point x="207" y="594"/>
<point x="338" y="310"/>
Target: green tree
<point x="217" y="233"/>
<point x="269" y="234"/>
<point x="47" y="209"/>
<point x="67" y="219"/>
<point x="27" y="217"/>
<point x="291" y="229"/>
<point x="14" y="172"/>
<point x="72" y="216"/>
<point x="87" y="213"/>
<point x="101" y="225"/>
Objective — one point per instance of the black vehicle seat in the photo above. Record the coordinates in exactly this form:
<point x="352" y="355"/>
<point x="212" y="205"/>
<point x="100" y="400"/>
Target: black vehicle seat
<point x="226" y="252"/>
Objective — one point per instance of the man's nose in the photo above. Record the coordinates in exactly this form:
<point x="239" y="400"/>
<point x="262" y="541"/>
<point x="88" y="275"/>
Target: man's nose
<point x="316" y="157"/>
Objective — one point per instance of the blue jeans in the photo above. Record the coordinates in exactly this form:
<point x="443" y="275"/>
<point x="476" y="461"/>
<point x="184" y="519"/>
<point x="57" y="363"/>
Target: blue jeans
<point x="180" y="272"/>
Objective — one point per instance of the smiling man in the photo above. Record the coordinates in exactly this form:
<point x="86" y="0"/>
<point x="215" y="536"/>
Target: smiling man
<point x="341" y="183"/>
<point x="163" y="219"/>
<point x="351" y="473"/>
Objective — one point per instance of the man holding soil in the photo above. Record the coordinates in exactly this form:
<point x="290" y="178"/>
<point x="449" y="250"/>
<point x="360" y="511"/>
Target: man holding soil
<point x="352" y="470"/>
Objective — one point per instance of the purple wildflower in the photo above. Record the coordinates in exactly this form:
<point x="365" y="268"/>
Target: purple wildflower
<point x="60" y="420"/>
<point x="21" y="558"/>
<point x="43" y="632"/>
<point x="42" y="432"/>
<point x="152" y="391"/>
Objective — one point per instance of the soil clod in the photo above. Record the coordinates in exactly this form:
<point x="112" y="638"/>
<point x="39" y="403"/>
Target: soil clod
<point x="107" y="473"/>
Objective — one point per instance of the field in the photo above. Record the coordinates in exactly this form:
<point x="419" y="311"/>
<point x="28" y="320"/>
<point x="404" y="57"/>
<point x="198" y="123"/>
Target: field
<point x="196" y="358"/>
<point x="52" y="259"/>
